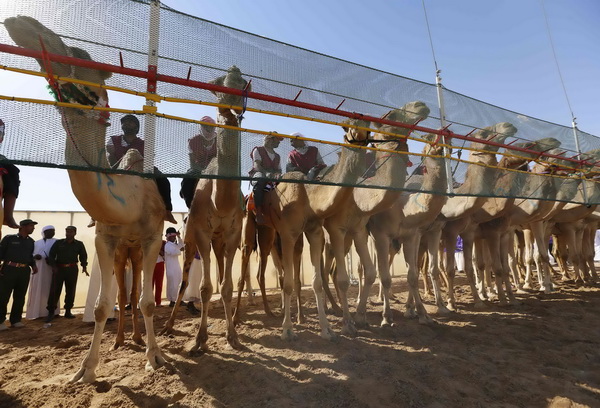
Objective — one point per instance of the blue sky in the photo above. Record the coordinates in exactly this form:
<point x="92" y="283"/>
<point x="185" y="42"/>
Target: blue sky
<point x="495" y="51"/>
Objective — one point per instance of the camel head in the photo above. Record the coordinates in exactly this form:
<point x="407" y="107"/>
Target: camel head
<point x="411" y="113"/>
<point x="432" y="148"/>
<point x="232" y="79"/>
<point x="535" y="149"/>
<point x="353" y="134"/>
<point x="552" y="165"/>
<point x="497" y="133"/>
<point x="27" y="31"/>
<point x="591" y="156"/>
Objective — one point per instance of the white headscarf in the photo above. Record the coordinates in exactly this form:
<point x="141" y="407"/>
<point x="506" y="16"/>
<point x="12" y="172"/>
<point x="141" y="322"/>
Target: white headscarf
<point x="46" y="228"/>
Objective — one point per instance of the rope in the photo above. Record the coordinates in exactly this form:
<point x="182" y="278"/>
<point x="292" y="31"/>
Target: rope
<point x="556" y="60"/>
<point x="429" y="32"/>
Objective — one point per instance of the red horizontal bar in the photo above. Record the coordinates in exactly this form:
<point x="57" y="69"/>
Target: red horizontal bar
<point x="11" y="49"/>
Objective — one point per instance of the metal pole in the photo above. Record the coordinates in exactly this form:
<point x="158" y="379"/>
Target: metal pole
<point x="150" y="107"/>
<point x="577" y="146"/>
<point x="440" y="95"/>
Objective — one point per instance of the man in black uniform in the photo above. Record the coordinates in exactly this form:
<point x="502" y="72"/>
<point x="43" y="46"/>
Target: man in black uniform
<point x="16" y="254"/>
<point x="63" y="258"/>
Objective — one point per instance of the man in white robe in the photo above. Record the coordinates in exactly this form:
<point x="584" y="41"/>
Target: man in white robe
<point x="39" y="285"/>
<point x="173" y="248"/>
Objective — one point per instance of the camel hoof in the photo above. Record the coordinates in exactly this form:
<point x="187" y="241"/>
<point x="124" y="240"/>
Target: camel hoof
<point x="479" y="305"/>
<point x="426" y="320"/>
<point x="349" y="329"/>
<point x="234" y="342"/>
<point x="521" y="291"/>
<point x="386" y="323"/>
<point x="527" y="286"/>
<point x="451" y="306"/>
<point x="410" y="314"/>
<point x="155" y="361"/>
<point x="289" y="335"/>
<point x="168" y="329"/>
<point x="328" y="334"/>
<point x="85" y="375"/>
<point x="116" y="345"/>
<point x="443" y="310"/>
<point x="198" y="350"/>
<point x="360" y="320"/>
<point x="138" y="340"/>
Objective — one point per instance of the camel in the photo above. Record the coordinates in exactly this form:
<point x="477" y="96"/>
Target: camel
<point x="349" y="223"/>
<point x="570" y="221"/>
<point x="288" y="212"/>
<point x="469" y="198"/>
<point x="263" y="238"/>
<point x="127" y="208"/>
<point x="490" y="225"/>
<point x="215" y="216"/>
<point x="406" y="221"/>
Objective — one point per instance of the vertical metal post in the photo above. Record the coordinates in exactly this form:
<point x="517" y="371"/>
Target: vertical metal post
<point x="577" y="146"/>
<point x="440" y="95"/>
<point x="150" y="108"/>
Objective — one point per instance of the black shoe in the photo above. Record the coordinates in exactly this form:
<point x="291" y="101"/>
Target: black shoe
<point x="172" y="304"/>
<point x="49" y="318"/>
<point x="193" y="309"/>
<point x="69" y="315"/>
<point x="128" y="306"/>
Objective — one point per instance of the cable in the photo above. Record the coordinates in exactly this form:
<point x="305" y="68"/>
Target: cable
<point x="429" y="32"/>
<point x="556" y="59"/>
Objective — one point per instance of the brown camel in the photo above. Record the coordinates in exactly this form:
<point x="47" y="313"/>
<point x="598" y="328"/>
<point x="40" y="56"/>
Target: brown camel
<point x="262" y="238"/>
<point x="490" y="225"/>
<point x="215" y="216"/>
<point x="456" y="213"/>
<point x="127" y="208"/>
<point x="349" y="222"/>
<point x="406" y="221"/>
<point x="287" y="211"/>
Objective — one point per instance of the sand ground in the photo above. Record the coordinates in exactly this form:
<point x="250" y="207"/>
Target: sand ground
<point x="543" y="353"/>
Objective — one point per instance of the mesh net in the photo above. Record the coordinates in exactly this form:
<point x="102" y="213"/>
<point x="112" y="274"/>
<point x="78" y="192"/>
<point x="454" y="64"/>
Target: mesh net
<point x="189" y="47"/>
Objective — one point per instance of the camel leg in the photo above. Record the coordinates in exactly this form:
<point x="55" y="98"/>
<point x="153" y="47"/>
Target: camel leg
<point x="479" y="261"/>
<point x="432" y="239"/>
<point x="287" y="287"/>
<point x="369" y="274"/>
<point x="316" y="240"/>
<point x="574" y="254"/>
<point x="326" y="269"/>
<point x="119" y="269"/>
<point x="266" y="240"/>
<point x="382" y="247"/>
<point x="298" y="249"/>
<point x="411" y="249"/>
<point x="105" y="251"/>
<point x="512" y="261"/>
<point x="541" y="258"/>
<point x="467" y="237"/>
<point x="206" y="291"/>
<point x="150" y="251"/>
<point x="341" y="278"/>
<point x="529" y="239"/>
<point x="560" y="254"/>
<point x="492" y="242"/>
<point x="248" y="246"/>
<point x="230" y="247"/>
<point x="137" y="259"/>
